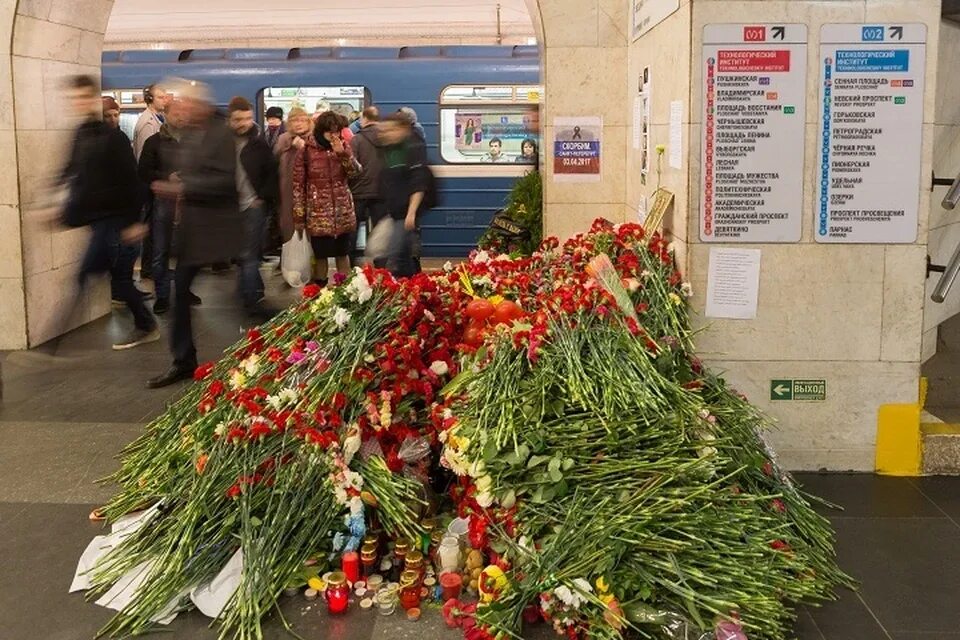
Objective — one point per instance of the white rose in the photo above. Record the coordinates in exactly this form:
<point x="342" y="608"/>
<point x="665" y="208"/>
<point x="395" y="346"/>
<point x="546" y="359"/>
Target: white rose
<point x="439" y="367"/>
<point x="484" y="484"/>
<point x="485" y="500"/>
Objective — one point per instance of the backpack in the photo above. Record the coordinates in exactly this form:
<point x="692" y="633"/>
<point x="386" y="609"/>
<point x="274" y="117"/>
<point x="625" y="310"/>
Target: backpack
<point x="431" y="197"/>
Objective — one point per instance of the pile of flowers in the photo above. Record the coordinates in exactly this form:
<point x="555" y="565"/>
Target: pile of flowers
<point x="614" y="484"/>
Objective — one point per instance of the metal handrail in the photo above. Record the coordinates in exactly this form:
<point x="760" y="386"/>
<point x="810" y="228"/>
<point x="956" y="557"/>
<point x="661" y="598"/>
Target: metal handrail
<point x="952" y="270"/>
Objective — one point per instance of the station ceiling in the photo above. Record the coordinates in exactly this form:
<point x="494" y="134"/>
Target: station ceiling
<point x="188" y="23"/>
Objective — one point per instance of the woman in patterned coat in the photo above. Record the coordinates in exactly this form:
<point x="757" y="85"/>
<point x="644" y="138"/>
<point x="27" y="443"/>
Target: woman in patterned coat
<point x="322" y="203"/>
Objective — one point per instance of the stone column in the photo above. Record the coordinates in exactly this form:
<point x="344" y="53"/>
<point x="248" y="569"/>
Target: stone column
<point x="584" y="49"/>
<point x="52" y="39"/>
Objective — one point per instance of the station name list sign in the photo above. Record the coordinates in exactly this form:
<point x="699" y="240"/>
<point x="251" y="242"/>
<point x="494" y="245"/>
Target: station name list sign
<point x="753" y="132"/>
<point x="871" y="99"/>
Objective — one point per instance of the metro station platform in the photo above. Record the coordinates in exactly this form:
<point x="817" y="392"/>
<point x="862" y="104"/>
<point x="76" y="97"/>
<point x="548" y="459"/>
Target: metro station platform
<point x="66" y="412"/>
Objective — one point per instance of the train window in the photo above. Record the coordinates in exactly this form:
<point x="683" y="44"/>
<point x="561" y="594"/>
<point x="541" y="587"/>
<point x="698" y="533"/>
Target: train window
<point x="343" y="100"/>
<point x="484" y="124"/>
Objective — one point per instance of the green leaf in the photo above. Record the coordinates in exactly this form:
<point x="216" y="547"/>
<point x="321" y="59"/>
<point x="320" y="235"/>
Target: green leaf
<point x="509" y="500"/>
<point x="536" y="461"/>
<point x="490" y="450"/>
<point x="568" y="464"/>
<point x="556" y="475"/>
<point x="255" y="521"/>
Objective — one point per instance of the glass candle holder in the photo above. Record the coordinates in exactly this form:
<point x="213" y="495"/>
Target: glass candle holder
<point x="337" y="593"/>
<point x="414" y="562"/>
<point x="451" y="584"/>
<point x="449" y="554"/>
<point x="386" y="602"/>
<point x="410" y="590"/>
<point x="350" y="563"/>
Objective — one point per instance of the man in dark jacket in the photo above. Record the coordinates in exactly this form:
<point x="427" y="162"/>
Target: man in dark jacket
<point x="366" y="186"/>
<point x="210" y="229"/>
<point x="160" y="161"/>
<point x="258" y="188"/>
<point x="405" y="180"/>
<point x="106" y="196"/>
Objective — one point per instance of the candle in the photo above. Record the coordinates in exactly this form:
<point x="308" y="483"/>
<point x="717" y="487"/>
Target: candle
<point x="400" y="550"/>
<point x="351" y="566"/>
<point x="450" y="554"/>
<point x="410" y="590"/>
<point x="451" y="583"/>
<point x="337" y="593"/>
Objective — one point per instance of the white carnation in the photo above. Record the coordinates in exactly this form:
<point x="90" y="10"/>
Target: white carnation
<point x="341" y="317"/>
<point x="439" y="367"/>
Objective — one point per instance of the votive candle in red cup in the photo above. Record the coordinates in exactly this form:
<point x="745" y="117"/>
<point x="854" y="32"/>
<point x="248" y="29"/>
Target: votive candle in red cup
<point x="451" y="583"/>
<point x="350" y="563"/>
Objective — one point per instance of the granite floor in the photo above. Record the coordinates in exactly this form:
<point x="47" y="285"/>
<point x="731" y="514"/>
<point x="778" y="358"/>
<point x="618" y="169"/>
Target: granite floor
<point x="67" y="409"/>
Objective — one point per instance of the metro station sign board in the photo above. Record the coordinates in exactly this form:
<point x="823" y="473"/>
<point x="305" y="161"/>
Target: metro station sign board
<point x="752" y="136"/>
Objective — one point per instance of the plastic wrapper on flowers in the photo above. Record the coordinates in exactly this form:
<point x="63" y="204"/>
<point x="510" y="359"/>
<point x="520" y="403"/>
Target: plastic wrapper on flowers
<point x="616" y="486"/>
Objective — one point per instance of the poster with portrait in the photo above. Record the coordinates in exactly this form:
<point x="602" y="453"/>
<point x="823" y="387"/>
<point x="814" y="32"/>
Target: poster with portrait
<point x="469" y="131"/>
<point x="576" y="149"/>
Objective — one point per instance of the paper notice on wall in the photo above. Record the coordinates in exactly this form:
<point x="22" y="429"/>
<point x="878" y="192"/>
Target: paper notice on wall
<point x="637" y="122"/>
<point x="733" y="283"/>
<point x="676" y="134"/>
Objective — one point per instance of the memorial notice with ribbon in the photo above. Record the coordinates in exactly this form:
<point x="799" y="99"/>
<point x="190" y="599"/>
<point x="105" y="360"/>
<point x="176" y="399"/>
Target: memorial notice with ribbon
<point x="576" y="149"/>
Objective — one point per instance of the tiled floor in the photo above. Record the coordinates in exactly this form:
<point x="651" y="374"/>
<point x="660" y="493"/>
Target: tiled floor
<point x="66" y="412"/>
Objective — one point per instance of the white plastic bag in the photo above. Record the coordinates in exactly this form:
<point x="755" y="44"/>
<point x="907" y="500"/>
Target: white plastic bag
<point x="296" y="260"/>
<point x="386" y="240"/>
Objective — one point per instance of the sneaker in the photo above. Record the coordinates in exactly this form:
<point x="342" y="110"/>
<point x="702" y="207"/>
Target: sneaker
<point x="161" y="306"/>
<point x="136" y="338"/>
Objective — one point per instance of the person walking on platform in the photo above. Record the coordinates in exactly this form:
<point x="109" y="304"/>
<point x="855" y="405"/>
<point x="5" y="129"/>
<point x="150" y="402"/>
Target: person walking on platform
<point x="294" y="139"/>
<point x="210" y="229"/>
<point x="405" y="183"/>
<point x="105" y="194"/>
<point x="257" y="183"/>
<point x="322" y="203"/>
<point x="160" y="162"/>
<point x="124" y="254"/>
<point x="366" y="186"/>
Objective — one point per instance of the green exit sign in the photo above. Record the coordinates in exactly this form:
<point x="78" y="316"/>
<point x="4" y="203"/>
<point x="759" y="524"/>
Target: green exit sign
<point x="801" y="390"/>
<point x="900" y="100"/>
<point x="789" y="110"/>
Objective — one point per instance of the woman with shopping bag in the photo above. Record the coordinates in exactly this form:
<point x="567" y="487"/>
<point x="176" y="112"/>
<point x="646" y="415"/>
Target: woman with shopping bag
<point x="322" y="203"/>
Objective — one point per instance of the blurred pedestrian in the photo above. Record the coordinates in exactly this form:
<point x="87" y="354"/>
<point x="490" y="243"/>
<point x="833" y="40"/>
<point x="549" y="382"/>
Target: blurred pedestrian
<point x="414" y="123"/>
<point x="322" y="203"/>
<point x="105" y="194"/>
<point x="160" y="162"/>
<point x="366" y="186"/>
<point x="210" y="229"/>
<point x="299" y="126"/>
<point x="257" y="183"/>
<point x="405" y="184"/>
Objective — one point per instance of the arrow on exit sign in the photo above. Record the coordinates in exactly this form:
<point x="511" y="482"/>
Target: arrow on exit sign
<point x="781" y="389"/>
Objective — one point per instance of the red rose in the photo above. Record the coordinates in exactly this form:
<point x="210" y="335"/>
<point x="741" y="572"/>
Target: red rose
<point x="311" y="291"/>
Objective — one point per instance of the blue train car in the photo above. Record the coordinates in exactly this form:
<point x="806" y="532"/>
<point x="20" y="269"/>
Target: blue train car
<point x="467" y="98"/>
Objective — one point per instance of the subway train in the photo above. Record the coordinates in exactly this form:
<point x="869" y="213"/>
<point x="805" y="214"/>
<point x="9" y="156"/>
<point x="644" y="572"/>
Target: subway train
<point x="465" y="96"/>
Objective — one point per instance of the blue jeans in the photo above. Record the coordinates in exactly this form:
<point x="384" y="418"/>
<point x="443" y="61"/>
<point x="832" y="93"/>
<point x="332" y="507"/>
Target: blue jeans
<point x="162" y="232"/>
<point x="107" y="253"/>
<point x="250" y="280"/>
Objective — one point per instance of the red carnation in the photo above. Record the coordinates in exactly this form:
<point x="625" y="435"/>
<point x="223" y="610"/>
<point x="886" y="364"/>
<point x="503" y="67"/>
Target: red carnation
<point x="203" y="371"/>
<point x="311" y="291"/>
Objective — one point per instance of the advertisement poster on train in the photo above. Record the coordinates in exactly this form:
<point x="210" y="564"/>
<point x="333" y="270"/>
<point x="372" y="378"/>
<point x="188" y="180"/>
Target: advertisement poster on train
<point x="871" y="120"/>
<point x="752" y="145"/>
<point x="469" y="130"/>
<point x="576" y="149"/>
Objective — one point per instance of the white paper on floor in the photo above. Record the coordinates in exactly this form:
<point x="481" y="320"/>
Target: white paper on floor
<point x="212" y="598"/>
<point x="125" y="591"/>
<point x="101" y="545"/>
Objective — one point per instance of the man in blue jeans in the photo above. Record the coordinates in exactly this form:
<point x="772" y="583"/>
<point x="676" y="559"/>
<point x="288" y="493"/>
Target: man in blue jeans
<point x="258" y="187"/>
